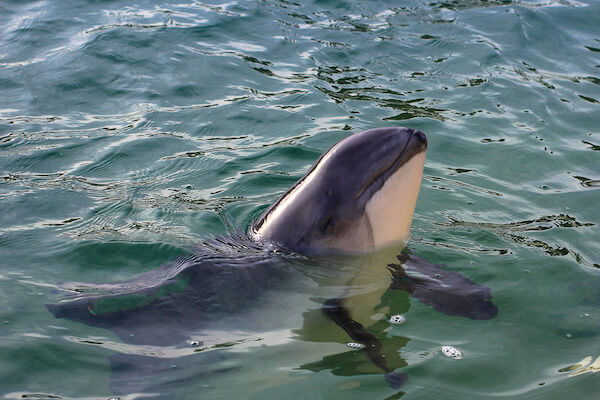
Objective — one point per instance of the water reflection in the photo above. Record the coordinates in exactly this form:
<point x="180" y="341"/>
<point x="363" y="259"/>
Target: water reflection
<point x="512" y="232"/>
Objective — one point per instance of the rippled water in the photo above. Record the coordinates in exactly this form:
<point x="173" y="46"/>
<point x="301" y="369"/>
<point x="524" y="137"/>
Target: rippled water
<point x="131" y="131"/>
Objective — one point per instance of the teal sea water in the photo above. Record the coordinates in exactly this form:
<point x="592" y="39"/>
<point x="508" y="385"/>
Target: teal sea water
<point x="130" y="131"/>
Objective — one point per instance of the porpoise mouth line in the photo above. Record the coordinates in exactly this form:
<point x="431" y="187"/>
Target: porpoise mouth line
<point x="384" y="170"/>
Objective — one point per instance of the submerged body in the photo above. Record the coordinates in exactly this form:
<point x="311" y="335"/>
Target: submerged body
<point x="358" y="197"/>
<point x="170" y="306"/>
<point x="211" y="301"/>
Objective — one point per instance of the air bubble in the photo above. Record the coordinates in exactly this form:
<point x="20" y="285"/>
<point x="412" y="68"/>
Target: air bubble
<point x="452" y="352"/>
<point x="353" y="345"/>
<point x="397" y="319"/>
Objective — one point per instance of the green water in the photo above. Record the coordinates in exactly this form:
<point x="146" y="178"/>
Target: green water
<point x="130" y="131"/>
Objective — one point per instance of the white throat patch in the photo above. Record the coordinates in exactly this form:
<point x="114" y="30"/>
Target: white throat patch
<point x="390" y="210"/>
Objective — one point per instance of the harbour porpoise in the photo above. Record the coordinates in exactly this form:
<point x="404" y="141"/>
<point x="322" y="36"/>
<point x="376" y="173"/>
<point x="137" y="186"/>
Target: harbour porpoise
<point x="359" y="197"/>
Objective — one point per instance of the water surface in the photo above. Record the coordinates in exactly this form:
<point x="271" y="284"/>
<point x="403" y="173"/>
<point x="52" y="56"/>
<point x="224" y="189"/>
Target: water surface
<point x="132" y="131"/>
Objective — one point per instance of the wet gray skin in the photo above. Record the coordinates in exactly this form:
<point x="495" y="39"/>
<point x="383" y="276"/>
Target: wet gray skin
<point x="331" y="213"/>
<point x="328" y="213"/>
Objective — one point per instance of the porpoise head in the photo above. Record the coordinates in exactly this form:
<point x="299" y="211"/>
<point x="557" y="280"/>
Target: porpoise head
<point x="358" y="197"/>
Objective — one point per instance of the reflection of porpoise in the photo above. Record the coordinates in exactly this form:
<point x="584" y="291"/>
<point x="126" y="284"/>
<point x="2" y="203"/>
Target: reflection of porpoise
<point x="358" y="197"/>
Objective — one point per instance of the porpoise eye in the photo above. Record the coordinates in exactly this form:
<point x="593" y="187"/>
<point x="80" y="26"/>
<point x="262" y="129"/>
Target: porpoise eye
<point x="327" y="224"/>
